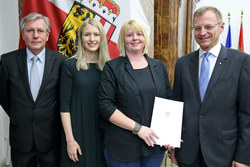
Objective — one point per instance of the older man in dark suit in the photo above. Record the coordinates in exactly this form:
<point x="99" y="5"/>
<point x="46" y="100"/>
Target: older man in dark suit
<point x="30" y="96"/>
<point x="214" y="84"/>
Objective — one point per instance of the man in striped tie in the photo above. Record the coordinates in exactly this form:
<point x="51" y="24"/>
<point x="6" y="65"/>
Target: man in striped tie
<point x="29" y="92"/>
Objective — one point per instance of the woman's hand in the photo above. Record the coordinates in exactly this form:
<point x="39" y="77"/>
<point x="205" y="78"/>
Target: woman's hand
<point x="73" y="148"/>
<point x="148" y="135"/>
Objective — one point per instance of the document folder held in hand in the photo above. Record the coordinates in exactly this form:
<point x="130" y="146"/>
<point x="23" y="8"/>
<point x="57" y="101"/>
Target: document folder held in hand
<point x="167" y="121"/>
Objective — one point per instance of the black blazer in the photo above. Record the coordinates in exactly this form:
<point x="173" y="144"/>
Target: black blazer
<point x="221" y="124"/>
<point x="119" y="90"/>
<point x="31" y="122"/>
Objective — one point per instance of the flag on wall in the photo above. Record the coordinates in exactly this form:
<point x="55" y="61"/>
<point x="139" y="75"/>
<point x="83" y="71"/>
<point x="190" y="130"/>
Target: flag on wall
<point x="241" y="41"/>
<point x="66" y="16"/>
<point x="229" y="39"/>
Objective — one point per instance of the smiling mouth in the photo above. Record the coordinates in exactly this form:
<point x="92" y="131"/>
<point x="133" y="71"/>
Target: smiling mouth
<point x="204" y="38"/>
<point x="91" y="44"/>
<point x="135" y="43"/>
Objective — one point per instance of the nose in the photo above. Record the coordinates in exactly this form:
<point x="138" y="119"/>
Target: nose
<point x="135" y="37"/>
<point x="203" y="31"/>
<point x="35" y="33"/>
<point x="92" y="37"/>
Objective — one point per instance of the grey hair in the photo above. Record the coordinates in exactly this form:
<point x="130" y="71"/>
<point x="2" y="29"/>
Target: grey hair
<point x="202" y="10"/>
<point x="35" y="16"/>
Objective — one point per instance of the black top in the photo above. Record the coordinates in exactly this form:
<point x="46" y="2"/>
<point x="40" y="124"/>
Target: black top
<point x="119" y="89"/>
<point x="78" y="95"/>
<point x="147" y="88"/>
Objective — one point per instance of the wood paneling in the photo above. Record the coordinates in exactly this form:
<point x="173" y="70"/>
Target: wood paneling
<point x="166" y="33"/>
<point x="187" y="43"/>
<point x="20" y="9"/>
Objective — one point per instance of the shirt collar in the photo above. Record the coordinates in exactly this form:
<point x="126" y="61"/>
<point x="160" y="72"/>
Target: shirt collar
<point x="214" y="51"/>
<point x="30" y="55"/>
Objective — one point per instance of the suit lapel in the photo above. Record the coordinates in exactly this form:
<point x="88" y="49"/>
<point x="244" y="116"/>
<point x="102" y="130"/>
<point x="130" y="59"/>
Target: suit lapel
<point x="194" y="71"/>
<point x="23" y="68"/>
<point x="49" y="61"/>
<point x="129" y="68"/>
<point x="218" y="68"/>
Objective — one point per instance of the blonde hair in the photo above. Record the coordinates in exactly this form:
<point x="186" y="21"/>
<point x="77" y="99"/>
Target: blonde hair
<point x="137" y="26"/>
<point x="103" y="53"/>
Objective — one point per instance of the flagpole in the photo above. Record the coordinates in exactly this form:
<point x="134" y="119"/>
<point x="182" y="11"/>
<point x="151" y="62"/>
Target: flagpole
<point x="241" y="41"/>
<point x="229" y="40"/>
<point x="241" y="15"/>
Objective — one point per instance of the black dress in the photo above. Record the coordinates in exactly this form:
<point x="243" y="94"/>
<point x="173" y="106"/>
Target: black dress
<point x="78" y="95"/>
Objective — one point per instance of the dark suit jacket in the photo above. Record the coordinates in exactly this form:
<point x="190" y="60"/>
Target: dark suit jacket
<point x="221" y="124"/>
<point x="119" y="90"/>
<point x="31" y="122"/>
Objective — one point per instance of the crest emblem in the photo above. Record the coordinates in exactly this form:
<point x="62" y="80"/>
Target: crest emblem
<point x="68" y="38"/>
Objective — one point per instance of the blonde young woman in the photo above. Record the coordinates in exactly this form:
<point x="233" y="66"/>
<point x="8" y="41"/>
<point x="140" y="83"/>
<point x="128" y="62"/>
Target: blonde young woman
<point x="82" y="139"/>
<point x="128" y="87"/>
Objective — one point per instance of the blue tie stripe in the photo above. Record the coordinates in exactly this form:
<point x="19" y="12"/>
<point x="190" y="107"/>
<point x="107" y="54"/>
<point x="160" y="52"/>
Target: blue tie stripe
<point x="204" y="75"/>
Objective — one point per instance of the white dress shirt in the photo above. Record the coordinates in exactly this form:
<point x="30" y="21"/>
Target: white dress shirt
<point x="212" y="58"/>
<point x="40" y="63"/>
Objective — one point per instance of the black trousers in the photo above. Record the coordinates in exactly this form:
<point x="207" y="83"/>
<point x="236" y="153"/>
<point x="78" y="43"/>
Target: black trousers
<point x="34" y="158"/>
<point x="198" y="162"/>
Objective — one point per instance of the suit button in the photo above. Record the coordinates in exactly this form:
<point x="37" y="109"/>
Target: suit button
<point x="201" y="116"/>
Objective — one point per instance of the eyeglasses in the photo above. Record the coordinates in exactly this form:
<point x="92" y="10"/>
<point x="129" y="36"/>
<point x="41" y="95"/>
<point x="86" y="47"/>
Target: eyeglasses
<point x="33" y="31"/>
<point x="206" y="27"/>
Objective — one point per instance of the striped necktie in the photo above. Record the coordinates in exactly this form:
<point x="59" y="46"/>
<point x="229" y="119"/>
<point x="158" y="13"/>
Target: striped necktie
<point x="34" y="78"/>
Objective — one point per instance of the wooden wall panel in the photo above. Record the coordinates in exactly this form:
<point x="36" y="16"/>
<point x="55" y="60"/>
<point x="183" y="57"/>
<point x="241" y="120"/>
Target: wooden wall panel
<point x="166" y="33"/>
<point x="187" y="39"/>
<point x="20" y="9"/>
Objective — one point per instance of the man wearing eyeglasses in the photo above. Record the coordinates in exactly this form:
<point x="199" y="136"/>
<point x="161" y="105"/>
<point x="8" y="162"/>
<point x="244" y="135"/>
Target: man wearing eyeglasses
<point x="214" y="84"/>
<point x="29" y="94"/>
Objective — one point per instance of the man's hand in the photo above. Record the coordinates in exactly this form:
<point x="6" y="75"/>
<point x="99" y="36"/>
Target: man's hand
<point x="172" y="157"/>
<point x="237" y="164"/>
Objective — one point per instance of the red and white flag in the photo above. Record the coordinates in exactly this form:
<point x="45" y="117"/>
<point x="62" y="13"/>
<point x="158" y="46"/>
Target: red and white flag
<point x="66" y="17"/>
<point x="241" y="40"/>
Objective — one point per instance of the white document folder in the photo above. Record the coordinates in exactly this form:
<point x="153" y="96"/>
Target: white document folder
<point x="167" y="121"/>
